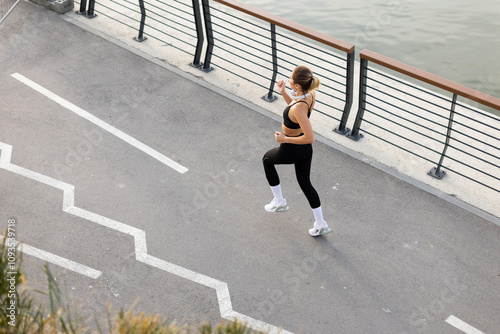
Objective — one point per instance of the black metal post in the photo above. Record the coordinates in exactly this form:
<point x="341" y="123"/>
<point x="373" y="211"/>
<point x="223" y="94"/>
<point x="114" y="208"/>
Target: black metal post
<point x="90" y="11"/>
<point x="210" y="36"/>
<point x="199" y="34"/>
<point x="269" y="97"/>
<point x="342" y="129"/>
<point x="141" y="37"/>
<point x="363" y="72"/>
<point x="83" y="5"/>
<point x="436" y="171"/>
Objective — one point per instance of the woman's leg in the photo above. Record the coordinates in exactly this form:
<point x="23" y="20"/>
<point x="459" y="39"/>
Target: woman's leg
<point x="275" y="156"/>
<point x="303" y="173"/>
<point x="269" y="160"/>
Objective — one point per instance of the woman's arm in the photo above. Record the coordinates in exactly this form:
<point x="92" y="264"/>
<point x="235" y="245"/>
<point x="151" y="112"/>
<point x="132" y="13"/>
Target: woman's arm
<point x="281" y="87"/>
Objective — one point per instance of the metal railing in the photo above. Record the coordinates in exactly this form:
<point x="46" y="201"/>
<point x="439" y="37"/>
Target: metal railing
<point x="249" y="50"/>
<point x="430" y="126"/>
<point x="170" y="22"/>
<point x="257" y="52"/>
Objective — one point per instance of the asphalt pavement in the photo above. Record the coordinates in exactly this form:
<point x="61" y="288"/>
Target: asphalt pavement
<point x="96" y="133"/>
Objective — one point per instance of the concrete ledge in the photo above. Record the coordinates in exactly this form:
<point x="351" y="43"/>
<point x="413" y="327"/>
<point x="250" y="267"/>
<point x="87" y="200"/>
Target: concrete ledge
<point x="60" y="6"/>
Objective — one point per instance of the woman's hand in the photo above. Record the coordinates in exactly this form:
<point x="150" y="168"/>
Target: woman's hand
<point x="281" y="86"/>
<point x="280" y="137"/>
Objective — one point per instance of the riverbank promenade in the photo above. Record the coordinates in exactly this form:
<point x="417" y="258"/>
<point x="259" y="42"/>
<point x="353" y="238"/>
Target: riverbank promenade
<point x="140" y="182"/>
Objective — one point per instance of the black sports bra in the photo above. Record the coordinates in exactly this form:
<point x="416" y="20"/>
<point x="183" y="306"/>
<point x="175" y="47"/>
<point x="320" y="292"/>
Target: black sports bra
<point x="288" y="122"/>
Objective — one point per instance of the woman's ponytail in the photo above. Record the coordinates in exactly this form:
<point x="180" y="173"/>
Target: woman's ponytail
<point x="315" y="83"/>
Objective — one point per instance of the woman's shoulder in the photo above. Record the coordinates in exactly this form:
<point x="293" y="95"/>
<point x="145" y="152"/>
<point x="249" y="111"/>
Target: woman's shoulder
<point x="301" y="107"/>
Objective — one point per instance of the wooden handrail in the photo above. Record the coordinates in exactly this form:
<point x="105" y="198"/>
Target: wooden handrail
<point x="284" y="23"/>
<point x="431" y="79"/>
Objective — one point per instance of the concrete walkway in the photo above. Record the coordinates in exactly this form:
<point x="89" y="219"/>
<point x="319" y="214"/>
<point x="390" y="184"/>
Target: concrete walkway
<point x="140" y="181"/>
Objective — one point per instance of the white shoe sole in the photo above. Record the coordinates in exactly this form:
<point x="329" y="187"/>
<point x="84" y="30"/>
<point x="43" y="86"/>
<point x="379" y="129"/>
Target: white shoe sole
<point x="281" y="208"/>
<point x="314" y="232"/>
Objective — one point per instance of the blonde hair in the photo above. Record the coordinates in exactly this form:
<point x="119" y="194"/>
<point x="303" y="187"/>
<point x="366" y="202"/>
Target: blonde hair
<point x="303" y="76"/>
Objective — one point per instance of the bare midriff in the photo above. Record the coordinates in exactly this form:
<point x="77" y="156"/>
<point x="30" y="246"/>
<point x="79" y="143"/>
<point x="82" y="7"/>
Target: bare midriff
<point x="290" y="132"/>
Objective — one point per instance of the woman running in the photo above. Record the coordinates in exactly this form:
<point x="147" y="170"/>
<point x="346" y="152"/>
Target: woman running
<point x="295" y="145"/>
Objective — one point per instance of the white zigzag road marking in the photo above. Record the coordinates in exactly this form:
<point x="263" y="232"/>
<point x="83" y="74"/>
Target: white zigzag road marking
<point x="100" y="123"/>
<point x="221" y="288"/>
<point x="58" y="260"/>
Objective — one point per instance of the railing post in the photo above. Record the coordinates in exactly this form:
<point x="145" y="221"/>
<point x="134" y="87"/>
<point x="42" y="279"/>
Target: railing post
<point x="83" y="5"/>
<point x="363" y="72"/>
<point x="141" y="38"/>
<point x="342" y="129"/>
<point x="90" y="11"/>
<point x="436" y="171"/>
<point x="87" y="13"/>
<point x="269" y="97"/>
<point x="199" y="34"/>
<point x="210" y="36"/>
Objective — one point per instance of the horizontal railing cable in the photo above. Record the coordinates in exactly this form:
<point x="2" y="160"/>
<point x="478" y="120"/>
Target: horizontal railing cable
<point x="481" y="112"/>
<point x="475" y="120"/>
<point x="239" y="75"/>
<point x="251" y="23"/>
<point x="242" y="28"/>
<point x="406" y="93"/>
<point x="493" y="137"/>
<point x="495" y="156"/>
<point x="392" y="121"/>
<point x="473" y="180"/>
<point x="474" y="156"/>
<point x="408" y="84"/>
<point x="408" y="111"/>
<point x="173" y="28"/>
<point x="311" y="46"/>
<point x="409" y="121"/>
<point x="240" y="57"/>
<point x="166" y="42"/>
<point x="394" y="144"/>
<point x="115" y="19"/>
<point x="324" y="83"/>
<point x="184" y="25"/>
<point x="187" y="12"/>
<point x="473" y="168"/>
<point x="317" y="57"/>
<point x="240" y="42"/>
<point x="318" y="66"/>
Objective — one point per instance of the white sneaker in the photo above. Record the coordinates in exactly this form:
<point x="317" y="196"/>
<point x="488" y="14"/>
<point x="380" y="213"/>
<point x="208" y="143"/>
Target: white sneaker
<point x="276" y="206"/>
<point x="317" y="230"/>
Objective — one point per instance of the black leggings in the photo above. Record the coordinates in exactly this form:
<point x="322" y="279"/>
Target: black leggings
<point x="301" y="157"/>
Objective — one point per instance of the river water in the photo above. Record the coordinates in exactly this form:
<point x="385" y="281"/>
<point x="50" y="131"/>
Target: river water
<point x="455" y="39"/>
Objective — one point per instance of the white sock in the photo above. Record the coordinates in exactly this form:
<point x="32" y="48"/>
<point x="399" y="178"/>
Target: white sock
<point x="318" y="216"/>
<point x="277" y="193"/>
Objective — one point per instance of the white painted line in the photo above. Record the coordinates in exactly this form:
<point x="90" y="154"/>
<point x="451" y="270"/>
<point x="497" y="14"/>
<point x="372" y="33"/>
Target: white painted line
<point x="221" y="288"/>
<point x="464" y="327"/>
<point x="103" y="125"/>
<point x="60" y="261"/>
